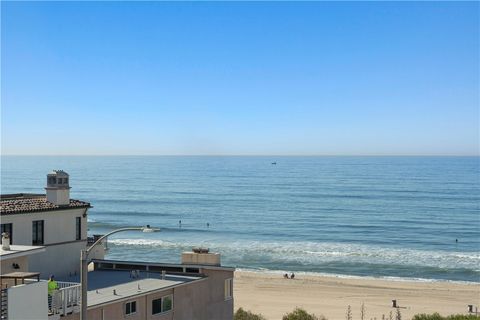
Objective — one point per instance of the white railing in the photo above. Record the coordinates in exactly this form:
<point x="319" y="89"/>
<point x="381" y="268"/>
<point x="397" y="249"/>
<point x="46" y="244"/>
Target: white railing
<point x="65" y="300"/>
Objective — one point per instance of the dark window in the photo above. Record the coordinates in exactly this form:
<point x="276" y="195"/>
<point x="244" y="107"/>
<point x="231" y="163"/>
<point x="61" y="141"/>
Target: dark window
<point x="65" y="180"/>
<point x="8" y="227"/>
<point x="130" y="307"/>
<point x="37" y="232"/>
<point x="78" y="228"/>
<point x="163" y="304"/>
<point x="157" y="306"/>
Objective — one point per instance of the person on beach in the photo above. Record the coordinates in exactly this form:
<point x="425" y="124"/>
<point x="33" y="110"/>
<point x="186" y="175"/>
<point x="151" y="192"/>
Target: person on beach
<point x="285" y="275"/>
<point x="292" y="275"/>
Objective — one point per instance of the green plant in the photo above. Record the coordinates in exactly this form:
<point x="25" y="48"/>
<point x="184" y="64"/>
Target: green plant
<point x="436" y="316"/>
<point x="300" y="314"/>
<point x="241" y="314"/>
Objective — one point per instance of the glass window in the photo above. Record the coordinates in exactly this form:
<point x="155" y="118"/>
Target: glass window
<point x="37" y="232"/>
<point x="166" y="303"/>
<point x="157" y="306"/>
<point x="228" y="288"/>
<point x="8" y="227"/>
<point x="130" y="307"/>
<point x="78" y="228"/>
<point x="161" y="305"/>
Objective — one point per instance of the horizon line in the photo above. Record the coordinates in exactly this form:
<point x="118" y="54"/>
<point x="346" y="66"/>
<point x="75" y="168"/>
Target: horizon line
<point x="240" y="155"/>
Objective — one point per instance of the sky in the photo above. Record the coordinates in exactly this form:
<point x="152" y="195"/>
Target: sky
<point x="240" y="78"/>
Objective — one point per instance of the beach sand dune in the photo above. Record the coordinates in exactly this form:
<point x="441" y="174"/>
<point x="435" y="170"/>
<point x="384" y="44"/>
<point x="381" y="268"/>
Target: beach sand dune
<point x="272" y="295"/>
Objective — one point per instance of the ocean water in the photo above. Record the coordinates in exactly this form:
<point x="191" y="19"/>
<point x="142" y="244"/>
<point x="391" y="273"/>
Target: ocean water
<point x="357" y="216"/>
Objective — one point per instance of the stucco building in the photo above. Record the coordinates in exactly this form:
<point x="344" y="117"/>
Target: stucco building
<point x="52" y="220"/>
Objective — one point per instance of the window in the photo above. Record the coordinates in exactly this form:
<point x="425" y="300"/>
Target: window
<point x="130" y="307"/>
<point x="8" y="227"/>
<point x="37" y="232"/>
<point x="78" y="228"/>
<point x="161" y="305"/>
<point x="228" y="288"/>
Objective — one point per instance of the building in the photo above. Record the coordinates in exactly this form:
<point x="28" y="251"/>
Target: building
<point x="52" y="220"/>
<point x="48" y="231"/>
<point x="144" y="291"/>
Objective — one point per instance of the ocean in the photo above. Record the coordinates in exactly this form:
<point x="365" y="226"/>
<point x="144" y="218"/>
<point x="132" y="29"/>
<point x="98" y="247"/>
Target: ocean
<point x="389" y="217"/>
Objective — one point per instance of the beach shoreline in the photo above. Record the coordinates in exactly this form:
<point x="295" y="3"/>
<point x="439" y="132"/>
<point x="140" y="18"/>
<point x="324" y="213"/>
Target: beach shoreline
<point x="272" y="295"/>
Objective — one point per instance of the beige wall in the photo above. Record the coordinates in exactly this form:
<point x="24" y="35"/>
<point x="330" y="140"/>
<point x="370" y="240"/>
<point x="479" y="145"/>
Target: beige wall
<point x="62" y="259"/>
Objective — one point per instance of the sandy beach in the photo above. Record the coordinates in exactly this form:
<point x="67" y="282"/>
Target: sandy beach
<point x="273" y="296"/>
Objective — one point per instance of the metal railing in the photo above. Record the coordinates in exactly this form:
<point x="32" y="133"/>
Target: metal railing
<point x="4" y="304"/>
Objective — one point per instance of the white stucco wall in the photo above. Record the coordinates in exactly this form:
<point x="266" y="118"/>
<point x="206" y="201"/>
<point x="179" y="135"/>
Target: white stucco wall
<point x="61" y="261"/>
<point x="59" y="225"/>
<point x="28" y="302"/>
<point x="62" y="252"/>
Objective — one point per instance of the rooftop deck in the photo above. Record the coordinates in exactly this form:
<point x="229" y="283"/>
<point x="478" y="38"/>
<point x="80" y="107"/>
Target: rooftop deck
<point x="19" y="250"/>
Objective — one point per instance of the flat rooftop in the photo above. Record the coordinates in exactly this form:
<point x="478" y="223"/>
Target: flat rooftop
<point x="101" y="284"/>
<point x="19" y="251"/>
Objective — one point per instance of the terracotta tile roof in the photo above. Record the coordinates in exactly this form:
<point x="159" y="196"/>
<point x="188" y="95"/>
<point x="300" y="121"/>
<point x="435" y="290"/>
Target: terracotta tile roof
<point x="27" y="203"/>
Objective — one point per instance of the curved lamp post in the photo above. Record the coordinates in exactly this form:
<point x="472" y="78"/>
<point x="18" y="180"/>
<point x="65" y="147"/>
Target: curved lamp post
<point x="84" y="264"/>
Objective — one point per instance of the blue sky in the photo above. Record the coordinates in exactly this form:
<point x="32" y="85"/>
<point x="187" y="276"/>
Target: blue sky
<point x="240" y="78"/>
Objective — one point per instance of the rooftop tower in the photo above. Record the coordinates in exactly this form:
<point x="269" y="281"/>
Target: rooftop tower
<point x="58" y="189"/>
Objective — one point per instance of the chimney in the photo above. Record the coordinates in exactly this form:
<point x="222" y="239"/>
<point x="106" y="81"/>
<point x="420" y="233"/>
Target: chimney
<point x="58" y="189"/>
<point x="5" y="241"/>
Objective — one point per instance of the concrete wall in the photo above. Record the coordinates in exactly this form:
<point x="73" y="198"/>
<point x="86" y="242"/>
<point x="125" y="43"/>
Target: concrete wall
<point x="60" y="260"/>
<point x="219" y="308"/>
<point x="62" y="253"/>
<point x="28" y="302"/>
<point x="6" y="264"/>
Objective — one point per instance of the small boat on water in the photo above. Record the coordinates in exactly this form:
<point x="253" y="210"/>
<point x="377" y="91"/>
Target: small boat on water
<point x="274" y="163"/>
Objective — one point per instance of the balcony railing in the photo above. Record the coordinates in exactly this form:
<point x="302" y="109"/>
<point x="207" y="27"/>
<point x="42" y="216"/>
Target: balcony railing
<point x="65" y="300"/>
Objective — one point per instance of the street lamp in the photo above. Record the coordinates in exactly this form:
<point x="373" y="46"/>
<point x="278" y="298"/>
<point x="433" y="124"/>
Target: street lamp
<point x="84" y="264"/>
